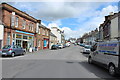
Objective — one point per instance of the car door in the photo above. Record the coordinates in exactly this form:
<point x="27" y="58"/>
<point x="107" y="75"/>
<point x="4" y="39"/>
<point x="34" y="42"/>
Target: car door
<point x="14" y="49"/>
<point x="20" y="50"/>
<point x="95" y="54"/>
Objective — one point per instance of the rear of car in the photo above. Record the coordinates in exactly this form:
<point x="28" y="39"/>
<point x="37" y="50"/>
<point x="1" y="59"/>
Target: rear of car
<point x="12" y="50"/>
<point x="60" y="46"/>
<point x="86" y="49"/>
<point x="54" y="47"/>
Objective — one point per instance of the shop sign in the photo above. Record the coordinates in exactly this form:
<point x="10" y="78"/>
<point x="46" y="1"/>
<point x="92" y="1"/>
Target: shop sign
<point x="18" y="36"/>
<point x="30" y="37"/>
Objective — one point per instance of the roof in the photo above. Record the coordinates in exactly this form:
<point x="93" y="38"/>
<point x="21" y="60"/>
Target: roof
<point x="43" y="26"/>
<point x="19" y="12"/>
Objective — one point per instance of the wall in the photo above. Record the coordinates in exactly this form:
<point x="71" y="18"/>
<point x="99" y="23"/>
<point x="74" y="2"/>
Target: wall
<point x="114" y="27"/>
<point x="57" y="34"/>
<point x="1" y="34"/>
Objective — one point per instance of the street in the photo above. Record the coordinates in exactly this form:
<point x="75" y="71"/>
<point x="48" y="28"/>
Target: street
<point x="62" y="63"/>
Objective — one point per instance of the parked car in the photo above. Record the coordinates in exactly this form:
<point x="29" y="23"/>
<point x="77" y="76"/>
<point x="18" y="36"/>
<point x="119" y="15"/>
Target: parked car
<point x="82" y="45"/>
<point x="54" y="47"/>
<point x="68" y="44"/>
<point x="60" y="46"/>
<point x="86" y="49"/>
<point x="64" y="46"/>
<point x="107" y="55"/>
<point x="12" y="50"/>
<point x="0" y="51"/>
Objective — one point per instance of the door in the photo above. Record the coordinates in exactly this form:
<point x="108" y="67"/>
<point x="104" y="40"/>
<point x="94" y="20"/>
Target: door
<point x="25" y="45"/>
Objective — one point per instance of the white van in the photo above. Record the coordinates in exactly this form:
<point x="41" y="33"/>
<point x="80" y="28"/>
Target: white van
<point x="107" y="54"/>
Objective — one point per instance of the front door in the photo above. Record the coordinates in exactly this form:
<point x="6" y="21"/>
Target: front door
<point x="25" y="45"/>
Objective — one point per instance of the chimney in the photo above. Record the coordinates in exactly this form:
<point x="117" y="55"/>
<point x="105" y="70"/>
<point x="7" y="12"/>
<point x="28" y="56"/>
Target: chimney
<point x="111" y="13"/>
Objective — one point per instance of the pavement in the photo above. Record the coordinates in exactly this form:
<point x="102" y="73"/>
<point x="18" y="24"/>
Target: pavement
<point x="63" y="63"/>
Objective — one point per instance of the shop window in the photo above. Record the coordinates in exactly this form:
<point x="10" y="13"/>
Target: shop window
<point x="13" y="35"/>
<point x="25" y="37"/>
<point x="18" y="42"/>
<point x="8" y="39"/>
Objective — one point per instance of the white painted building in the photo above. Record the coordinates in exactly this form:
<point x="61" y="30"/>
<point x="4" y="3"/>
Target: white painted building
<point x="58" y="33"/>
<point x="114" y="27"/>
<point x="1" y="35"/>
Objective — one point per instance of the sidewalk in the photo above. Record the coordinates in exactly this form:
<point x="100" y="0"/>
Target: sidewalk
<point x="43" y="50"/>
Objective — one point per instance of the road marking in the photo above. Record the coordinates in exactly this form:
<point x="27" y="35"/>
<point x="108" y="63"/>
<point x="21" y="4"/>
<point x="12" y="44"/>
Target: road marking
<point x="7" y="58"/>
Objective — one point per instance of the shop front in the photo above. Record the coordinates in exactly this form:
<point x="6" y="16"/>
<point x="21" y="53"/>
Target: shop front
<point x="45" y="43"/>
<point x="23" y="39"/>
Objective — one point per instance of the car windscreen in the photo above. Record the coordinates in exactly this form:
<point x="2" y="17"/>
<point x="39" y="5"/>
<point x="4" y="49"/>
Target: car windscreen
<point x="6" y="47"/>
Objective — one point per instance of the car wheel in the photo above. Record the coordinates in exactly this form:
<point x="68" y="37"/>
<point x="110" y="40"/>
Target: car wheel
<point x="112" y="70"/>
<point x="89" y="60"/>
<point x="12" y="54"/>
<point x="23" y="53"/>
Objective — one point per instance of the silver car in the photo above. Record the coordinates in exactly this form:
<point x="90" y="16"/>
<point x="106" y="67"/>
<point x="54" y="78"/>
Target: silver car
<point x="12" y="50"/>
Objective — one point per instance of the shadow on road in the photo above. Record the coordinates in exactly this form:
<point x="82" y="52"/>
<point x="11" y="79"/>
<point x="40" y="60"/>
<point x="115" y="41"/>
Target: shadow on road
<point x="95" y="69"/>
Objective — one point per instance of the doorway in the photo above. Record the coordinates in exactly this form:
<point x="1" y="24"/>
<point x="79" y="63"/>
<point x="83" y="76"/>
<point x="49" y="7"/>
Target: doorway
<point x="25" y="44"/>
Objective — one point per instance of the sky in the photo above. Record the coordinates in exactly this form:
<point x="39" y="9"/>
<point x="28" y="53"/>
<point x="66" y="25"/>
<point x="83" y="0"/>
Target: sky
<point x="75" y="18"/>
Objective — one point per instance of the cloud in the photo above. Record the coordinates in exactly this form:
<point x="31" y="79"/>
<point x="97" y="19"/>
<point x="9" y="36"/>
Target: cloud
<point x="88" y="15"/>
<point x="95" y="19"/>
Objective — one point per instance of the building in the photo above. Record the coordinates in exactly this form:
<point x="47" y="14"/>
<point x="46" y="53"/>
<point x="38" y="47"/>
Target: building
<point x="109" y="30"/>
<point x="53" y="40"/>
<point x="1" y="35"/>
<point x="101" y="32"/>
<point x="72" y="40"/>
<point x="91" y="37"/>
<point x="62" y="37"/>
<point x="59" y="34"/>
<point x="43" y="37"/>
<point x="19" y="27"/>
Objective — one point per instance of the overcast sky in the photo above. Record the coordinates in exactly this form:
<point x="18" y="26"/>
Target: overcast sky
<point x="75" y="18"/>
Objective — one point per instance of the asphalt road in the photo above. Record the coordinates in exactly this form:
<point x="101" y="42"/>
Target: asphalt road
<point x="63" y="63"/>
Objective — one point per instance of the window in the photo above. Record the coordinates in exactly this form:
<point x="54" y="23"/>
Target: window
<point x="16" y="22"/>
<point x="43" y="32"/>
<point x="32" y="26"/>
<point x="24" y="24"/>
<point x="39" y="31"/>
<point x="39" y="43"/>
<point x="18" y="42"/>
<point x="8" y="39"/>
<point x="13" y="19"/>
<point x="25" y="37"/>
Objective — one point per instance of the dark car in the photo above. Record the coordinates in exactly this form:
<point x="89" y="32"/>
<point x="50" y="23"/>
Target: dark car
<point x="12" y="50"/>
<point x="54" y="47"/>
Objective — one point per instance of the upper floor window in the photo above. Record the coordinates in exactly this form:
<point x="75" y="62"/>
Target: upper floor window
<point x="43" y="32"/>
<point x="32" y="26"/>
<point x="24" y="24"/>
<point x="16" y="22"/>
<point x="47" y="33"/>
<point x="39" y="31"/>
